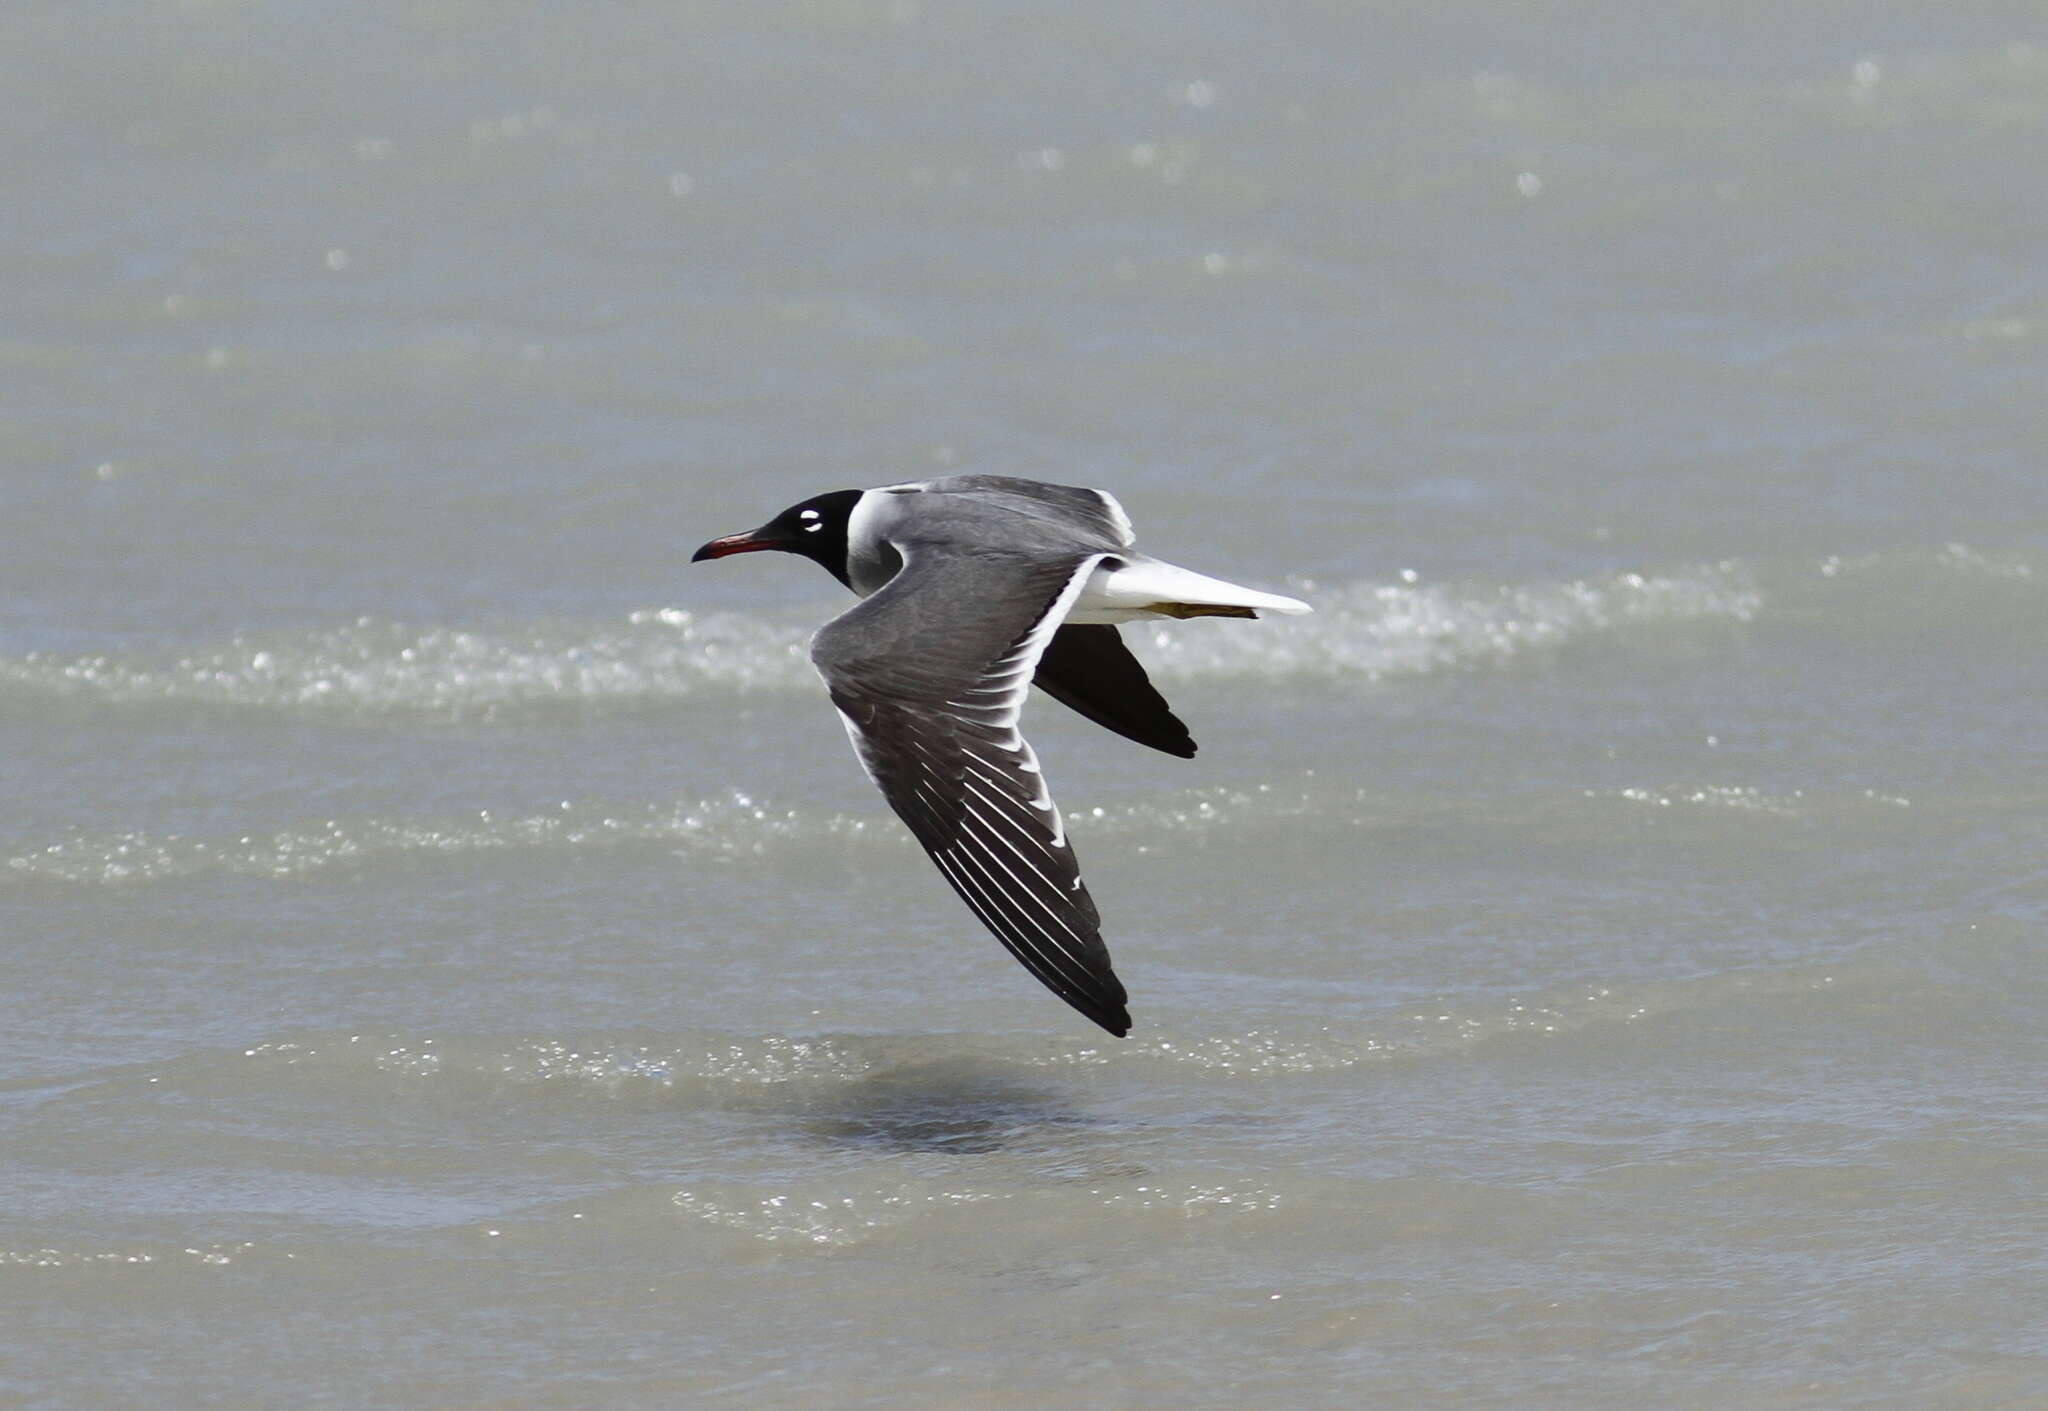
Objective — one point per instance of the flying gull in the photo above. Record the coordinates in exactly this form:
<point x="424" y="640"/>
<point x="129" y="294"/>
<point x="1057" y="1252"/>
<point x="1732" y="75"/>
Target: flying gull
<point x="974" y="588"/>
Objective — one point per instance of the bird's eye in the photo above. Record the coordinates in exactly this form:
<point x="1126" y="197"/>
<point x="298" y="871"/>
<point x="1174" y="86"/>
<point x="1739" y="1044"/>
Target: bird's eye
<point x="808" y="514"/>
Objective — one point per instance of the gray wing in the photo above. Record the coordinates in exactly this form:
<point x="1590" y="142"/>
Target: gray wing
<point x="1091" y="516"/>
<point x="930" y="675"/>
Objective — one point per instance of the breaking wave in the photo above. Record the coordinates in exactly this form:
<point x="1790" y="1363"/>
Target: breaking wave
<point x="370" y="667"/>
<point x="727" y="825"/>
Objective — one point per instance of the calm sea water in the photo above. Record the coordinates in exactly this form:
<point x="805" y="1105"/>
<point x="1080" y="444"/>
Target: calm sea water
<point x="451" y="958"/>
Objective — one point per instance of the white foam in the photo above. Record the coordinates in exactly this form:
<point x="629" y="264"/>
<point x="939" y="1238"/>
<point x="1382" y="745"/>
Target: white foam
<point x="371" y="666"/>
<point x="828" y="1216"/>
<point x="1364" y="630"/>
<point x="1379" y="630"/>
<point x="154" y="1253"/>
<point x="726" y="825"/>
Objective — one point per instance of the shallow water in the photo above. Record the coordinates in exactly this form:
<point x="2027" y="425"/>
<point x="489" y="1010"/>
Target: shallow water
<point x="1596" y="961"/>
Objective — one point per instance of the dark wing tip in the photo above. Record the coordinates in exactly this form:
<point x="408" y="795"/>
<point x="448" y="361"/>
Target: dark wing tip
<point x="1088" y="668"/>
<point x="1107" y="1005"/>
<point x="1104" y="1003"/>
<point x="1104" y="1013"/>
<point x="1100" y="997"/>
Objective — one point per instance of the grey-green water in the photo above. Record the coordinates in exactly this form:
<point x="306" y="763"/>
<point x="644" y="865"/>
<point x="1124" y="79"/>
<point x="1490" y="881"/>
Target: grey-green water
<point x="451" y="958"/>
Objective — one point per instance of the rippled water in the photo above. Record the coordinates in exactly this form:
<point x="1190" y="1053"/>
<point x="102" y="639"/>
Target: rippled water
<point x="1597" y="960"/>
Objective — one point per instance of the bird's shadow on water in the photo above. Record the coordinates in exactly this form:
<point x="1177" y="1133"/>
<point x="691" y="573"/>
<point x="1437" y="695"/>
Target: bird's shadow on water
<point x="951" y="1107"/>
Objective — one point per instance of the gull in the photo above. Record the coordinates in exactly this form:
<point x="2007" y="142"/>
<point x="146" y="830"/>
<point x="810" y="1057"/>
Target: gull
<point x="973" y="589"/>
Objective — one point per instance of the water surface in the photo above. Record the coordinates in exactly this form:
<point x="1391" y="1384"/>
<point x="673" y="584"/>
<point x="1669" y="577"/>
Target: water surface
<point x="452" y="959"/>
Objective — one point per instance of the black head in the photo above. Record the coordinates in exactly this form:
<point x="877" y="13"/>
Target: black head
<point x="816" y="529"/>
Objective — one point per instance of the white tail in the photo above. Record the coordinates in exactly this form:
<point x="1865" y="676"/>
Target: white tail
<point x="1146" y="587"/>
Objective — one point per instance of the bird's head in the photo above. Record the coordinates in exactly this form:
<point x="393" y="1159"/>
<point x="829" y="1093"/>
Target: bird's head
<point x="816" y="529"/>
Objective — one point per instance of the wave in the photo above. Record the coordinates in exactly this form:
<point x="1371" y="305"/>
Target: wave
<point x="926" y="1070"/>
<point x="1362" y="631"/>
<point x="731" y="824"/>
<point x="1747" y="798"/>
<point x="374" y="667"/>
<point x="1951" y="562"/>
<point x="1376" y="631"/>
<point x="140" y="1254"/>
<point x="736" y="824"/>
<point x="914" y="1093"/>
<point x="827" y="1215"/>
